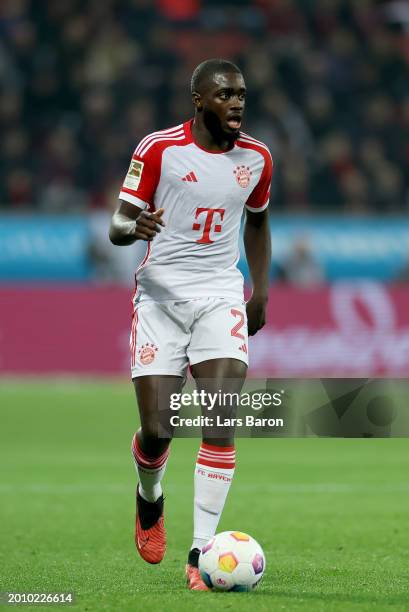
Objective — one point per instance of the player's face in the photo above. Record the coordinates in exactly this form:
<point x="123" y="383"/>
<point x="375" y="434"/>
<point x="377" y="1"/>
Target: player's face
<point x="223" y="102"/>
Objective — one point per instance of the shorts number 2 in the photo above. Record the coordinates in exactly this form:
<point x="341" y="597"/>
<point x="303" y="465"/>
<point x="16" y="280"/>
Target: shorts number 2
<point x="235" y="330"/>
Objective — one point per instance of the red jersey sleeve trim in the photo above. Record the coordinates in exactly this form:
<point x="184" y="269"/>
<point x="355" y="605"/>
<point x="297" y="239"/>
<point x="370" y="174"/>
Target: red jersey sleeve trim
<point x="259" y="198"/>
<point x="258" y="209"/>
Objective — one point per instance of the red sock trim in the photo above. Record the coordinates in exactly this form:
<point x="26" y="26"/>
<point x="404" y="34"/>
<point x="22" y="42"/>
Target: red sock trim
<point x="216" y="464"/>
<point x="217" y="449"/>
<point x="144" y="460"/>
<point x="217" y="456"/>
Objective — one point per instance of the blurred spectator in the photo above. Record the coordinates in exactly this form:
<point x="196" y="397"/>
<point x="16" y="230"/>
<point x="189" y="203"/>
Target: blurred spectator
<point x="110" y="264"/>
<point x="300" y="267"/>
<point x="82" y="82"/>
<point x="403" y="274"/>
<point x="355" y="191"/>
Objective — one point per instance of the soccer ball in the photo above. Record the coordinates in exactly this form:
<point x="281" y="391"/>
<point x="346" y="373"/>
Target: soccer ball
<point x="232" y="561"/>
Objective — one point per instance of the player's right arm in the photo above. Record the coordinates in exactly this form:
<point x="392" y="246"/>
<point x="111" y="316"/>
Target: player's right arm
<point x="130" y="223"/>
<point x="136" y="218"/>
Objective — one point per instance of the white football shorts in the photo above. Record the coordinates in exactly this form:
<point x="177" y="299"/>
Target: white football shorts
<point x="168" y="336"/>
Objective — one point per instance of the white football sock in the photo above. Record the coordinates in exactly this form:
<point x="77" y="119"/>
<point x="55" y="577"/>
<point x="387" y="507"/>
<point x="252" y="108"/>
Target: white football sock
<point x="213" y="475"/>
<point x="150" y="471"/>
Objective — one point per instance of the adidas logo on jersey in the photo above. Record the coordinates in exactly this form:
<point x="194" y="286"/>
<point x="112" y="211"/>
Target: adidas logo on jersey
<point x="190" y="178"/>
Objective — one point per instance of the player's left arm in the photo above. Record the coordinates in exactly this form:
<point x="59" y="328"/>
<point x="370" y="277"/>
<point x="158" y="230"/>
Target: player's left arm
<point x="257" y="244"/>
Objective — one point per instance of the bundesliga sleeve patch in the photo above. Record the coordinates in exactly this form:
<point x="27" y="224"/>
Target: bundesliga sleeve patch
<point x="134" y="175"/>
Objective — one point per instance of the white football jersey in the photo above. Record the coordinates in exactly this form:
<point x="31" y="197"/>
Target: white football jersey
<point x="203" y="194"/>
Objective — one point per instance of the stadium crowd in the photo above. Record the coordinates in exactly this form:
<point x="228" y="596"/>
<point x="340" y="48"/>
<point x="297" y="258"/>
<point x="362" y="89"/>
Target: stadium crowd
<point x="81" y="81"/>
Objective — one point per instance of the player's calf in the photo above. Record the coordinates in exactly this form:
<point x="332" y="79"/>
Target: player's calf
<point x="150" y="469"/>
<point x="213" y="476"/>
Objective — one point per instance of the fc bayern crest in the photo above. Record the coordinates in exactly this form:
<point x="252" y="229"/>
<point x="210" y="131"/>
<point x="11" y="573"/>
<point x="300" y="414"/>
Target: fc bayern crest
<point x="147" y="353"/>
<point x="243" y="176"/>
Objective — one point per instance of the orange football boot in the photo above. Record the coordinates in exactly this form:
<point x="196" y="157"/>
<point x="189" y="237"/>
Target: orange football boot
<point x="150" y="533"/>
<point x="194" y="579"/>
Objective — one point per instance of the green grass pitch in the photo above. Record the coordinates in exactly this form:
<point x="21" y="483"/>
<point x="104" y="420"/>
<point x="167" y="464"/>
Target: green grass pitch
<point x="331" y="514"/>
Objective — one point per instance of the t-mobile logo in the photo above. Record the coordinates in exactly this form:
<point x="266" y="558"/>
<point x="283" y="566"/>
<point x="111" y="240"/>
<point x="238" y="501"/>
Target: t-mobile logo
<point x="208" y="223"/>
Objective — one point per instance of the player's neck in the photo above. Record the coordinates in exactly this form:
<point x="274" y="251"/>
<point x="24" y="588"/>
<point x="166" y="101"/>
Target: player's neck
<point x="208" y="141"/>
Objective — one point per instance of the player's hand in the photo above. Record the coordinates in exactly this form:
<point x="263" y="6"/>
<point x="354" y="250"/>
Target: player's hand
<point x="256" y="314"/>
<point x="148" y="224"/>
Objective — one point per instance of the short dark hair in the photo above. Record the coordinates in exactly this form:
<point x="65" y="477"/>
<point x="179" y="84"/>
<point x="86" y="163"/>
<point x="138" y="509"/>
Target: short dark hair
<point x="208" y="68"/>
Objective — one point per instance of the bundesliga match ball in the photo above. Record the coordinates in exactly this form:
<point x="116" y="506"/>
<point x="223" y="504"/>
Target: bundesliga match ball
<point x="232" y="561"/>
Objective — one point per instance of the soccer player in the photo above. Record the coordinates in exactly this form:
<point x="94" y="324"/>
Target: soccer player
<point x="184" y="194"/>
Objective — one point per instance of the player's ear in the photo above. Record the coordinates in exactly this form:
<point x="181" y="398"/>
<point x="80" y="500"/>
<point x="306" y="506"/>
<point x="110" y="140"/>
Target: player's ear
<point x="197" y="101"/>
